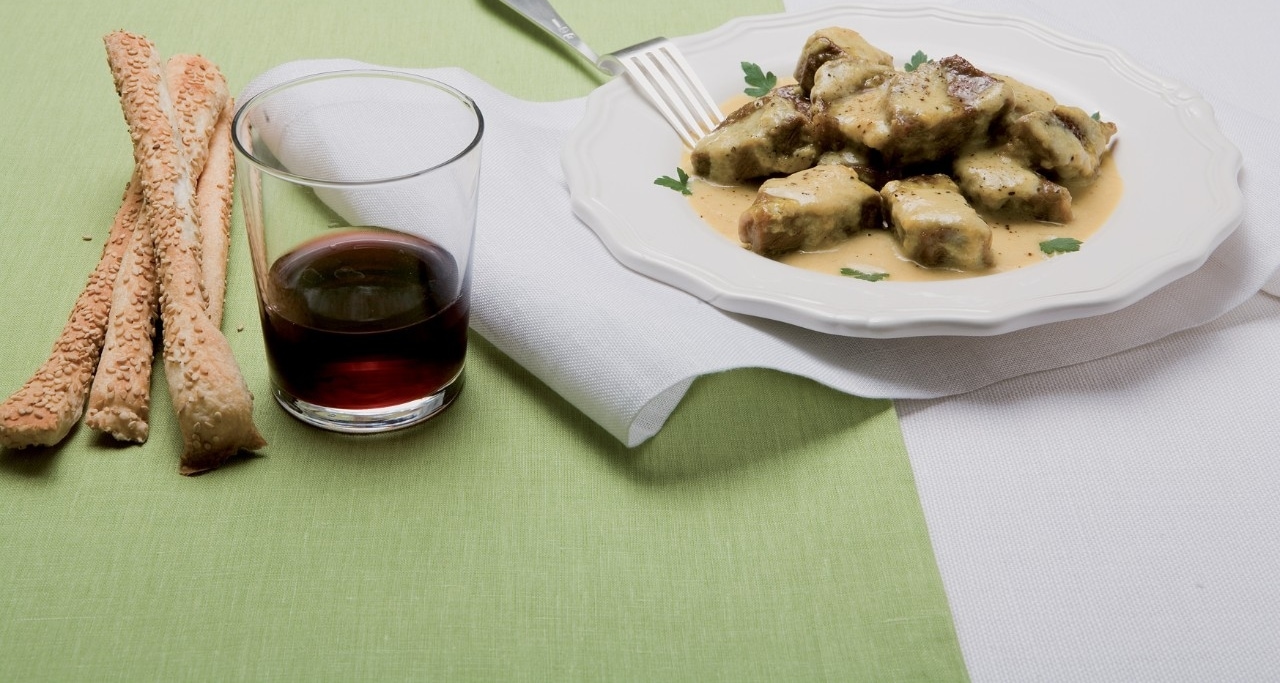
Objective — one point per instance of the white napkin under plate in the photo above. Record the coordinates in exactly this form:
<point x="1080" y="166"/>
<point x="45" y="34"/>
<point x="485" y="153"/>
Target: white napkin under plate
<point x="624" y="349"/>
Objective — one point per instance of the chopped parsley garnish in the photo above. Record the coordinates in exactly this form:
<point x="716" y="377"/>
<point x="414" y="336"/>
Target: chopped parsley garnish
<point x="680" y="185"/>
<point x="761" y="83"/>
<point x="1096" y="116"/>
<point x="869" y="277"/>
<point x="1060" y="245"/>
<point x="916" y="60"/>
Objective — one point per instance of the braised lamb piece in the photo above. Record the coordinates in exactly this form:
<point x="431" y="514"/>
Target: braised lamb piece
<point x="1065" y="141"/>
<point x="812" y="209"/>
<point x="768" y="136"/>
<point x="1023" y="99"/>
<point x="1000" y="180"/>
<point x="870" y="168"/>
<point x="833" y="44"/>
<point x="841" y="78"/>
<point x="916" y="116"/>
<point x="935" y="225"/>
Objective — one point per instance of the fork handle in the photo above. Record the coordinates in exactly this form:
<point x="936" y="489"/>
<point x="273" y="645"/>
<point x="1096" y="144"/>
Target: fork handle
<point x="541" y="13"/>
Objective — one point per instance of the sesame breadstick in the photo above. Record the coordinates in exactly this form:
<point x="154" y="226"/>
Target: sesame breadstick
<point x="198" y="92"/>
<point x="120" y="399"/>
<point x="213" y="203"/>
<point x="212" y="400"/>
<point x="45" y="409"/>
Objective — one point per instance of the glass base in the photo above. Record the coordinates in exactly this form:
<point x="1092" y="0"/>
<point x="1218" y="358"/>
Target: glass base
<point x="371" y="420"/>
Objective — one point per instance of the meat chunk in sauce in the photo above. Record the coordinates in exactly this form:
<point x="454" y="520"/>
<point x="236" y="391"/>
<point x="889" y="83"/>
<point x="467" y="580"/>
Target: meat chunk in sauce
<point x="866" y="163"/>
<point x="999" y="180"/>
<point x="768" y="136"/>
<point x="1064" y="141"/>
<point x="812" y="209"/>
<point x="841" y="78"/>
<point x="832" y="44"/>
<point x="1023" y="99"/>
<point x="917" y="116"/>
<point x="934" y="224"/>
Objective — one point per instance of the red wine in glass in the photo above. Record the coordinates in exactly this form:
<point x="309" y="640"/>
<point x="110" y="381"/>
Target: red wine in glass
<point x="364" y="319"/>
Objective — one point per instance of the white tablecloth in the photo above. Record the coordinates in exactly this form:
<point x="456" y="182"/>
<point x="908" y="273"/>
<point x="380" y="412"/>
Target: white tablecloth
<point x="1117" y="520"/>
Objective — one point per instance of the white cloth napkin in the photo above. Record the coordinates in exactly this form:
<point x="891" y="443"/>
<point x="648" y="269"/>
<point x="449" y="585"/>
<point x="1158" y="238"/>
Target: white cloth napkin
<point x="624" y="349"/>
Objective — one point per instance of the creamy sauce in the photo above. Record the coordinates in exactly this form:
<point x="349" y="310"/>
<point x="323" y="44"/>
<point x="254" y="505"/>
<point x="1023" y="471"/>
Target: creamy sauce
<point x="1015" y="244"/>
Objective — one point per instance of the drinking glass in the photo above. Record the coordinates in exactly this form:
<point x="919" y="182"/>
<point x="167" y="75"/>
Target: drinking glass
<point x="359" y="195"/>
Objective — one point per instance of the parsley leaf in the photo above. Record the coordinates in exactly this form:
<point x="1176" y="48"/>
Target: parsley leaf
<point x="916" y="60"/>
<point x="869" y="277"/>
<point x="681" y="185"/>
<point x="761" y="83"/>
<point x="1096" y="116"/>
<point x="1060" y="245"/>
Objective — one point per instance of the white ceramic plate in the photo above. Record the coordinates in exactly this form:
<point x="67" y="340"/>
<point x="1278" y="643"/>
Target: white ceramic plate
<point x="1181" y="197"/>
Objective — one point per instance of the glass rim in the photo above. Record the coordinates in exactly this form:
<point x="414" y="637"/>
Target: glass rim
<point x="249" y="104"/>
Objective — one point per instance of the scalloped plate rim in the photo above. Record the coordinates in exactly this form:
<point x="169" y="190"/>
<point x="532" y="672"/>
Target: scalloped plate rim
<point x="727" y="277"/>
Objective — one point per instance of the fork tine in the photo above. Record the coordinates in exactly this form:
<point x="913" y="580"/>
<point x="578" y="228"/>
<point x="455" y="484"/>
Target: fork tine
<point x="667" y="80"/>
<point x="674" y="92"/>
<point x="706" y="107"/>
<point x="666" y="71"/>
<point x="642" y="79"/>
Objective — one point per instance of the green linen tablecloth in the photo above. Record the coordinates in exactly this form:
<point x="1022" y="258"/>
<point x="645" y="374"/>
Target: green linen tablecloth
<point x="771" y="531"/>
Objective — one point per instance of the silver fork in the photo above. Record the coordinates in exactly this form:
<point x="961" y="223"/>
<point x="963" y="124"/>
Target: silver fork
<point x="655" y="66"/>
